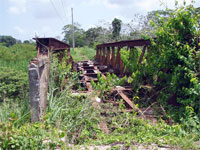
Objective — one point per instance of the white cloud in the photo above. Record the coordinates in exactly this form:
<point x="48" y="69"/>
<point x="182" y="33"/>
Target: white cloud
<point x="105" y="3"/>
<point x="19" y="30"/>
<point x="17" y="6"/>
<point x="13" y="10"/>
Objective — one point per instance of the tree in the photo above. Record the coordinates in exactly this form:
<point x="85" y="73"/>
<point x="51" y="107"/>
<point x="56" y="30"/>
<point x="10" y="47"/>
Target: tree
<point x="79" y="35"/>
<point x="26" y="42"/>
<point x="8" y="40"/>
<point x="96" y="35"/>
<point x="116" y="24"/>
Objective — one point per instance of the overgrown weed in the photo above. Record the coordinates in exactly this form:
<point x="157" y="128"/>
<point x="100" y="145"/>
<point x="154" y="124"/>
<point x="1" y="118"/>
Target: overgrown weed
<point x="83" y="53"/>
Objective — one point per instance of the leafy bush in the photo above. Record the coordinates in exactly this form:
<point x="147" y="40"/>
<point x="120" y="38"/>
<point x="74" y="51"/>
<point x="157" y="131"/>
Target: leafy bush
<point x="174" y="58"/>
<point x="171" y="66"/>
<point x="13" y="84"/>
<point x="29" y="136"/>
<point x="17" y="56"/>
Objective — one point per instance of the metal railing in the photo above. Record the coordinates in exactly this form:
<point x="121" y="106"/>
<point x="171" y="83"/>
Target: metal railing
<point x="106" y="53"/>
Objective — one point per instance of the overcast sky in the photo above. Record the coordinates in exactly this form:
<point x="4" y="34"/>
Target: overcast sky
<point x="23" y="19"/>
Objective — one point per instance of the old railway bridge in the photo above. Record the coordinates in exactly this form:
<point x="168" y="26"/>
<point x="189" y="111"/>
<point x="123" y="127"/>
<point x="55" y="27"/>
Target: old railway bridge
<point x="107" y="59"/>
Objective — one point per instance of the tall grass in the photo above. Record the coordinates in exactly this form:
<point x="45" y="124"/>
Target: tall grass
<point x="17" y="56"/>
<point x="68" y="112"/>
<point x="14" y="100"/>
<point x="83" y="53"/>
<point x="16" y="112"/>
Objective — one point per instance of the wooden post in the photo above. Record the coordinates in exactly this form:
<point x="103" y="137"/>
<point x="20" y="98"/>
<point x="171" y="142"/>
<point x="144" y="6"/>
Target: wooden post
<point x="113" y="57"/>
<point x="117" y="60"/>
<point x="121" y="64"/>
<point x="108" y="56"/>
<point x="104" y="56"/>
<point x="97" y="54"/>
<point x="142" y="54"/>
<point x="100" y="54"/>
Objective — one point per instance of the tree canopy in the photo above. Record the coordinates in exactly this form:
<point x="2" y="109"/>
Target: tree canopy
<point x="8" y="40"/>
<point x="116" y="24"/>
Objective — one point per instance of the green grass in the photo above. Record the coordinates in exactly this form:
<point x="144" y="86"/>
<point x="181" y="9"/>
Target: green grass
<point x="17" y="56"/>
<point x="14" y="96"/>
<point x="83" y="53"/>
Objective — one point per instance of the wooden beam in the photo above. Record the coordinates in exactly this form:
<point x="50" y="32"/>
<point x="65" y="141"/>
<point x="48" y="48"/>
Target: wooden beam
<point x="113" y="57"/>
<point x="142" y="54"/>
<point x="108" y="56"/>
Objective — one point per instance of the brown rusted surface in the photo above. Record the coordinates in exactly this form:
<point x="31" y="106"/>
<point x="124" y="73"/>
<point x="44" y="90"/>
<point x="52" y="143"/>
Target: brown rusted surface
<point x="106" y="54"/>
<point x="108" y="57"/>
<point x="44" y="45"/>
<point x="130" y="43"/>
<point x="113" y="57"/>
<point x="108" y="60"/>
<point x="103" y="56"/>
<point x="142" y="55"/>
<point x="51" y="43"/>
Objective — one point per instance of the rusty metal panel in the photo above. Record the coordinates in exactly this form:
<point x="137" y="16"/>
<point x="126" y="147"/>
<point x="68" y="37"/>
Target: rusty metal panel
<point x="113" y="57"/>
<point x="142" y="54"/>
<point x="108" y="56"/>
<point x="104" y="56"/>
<point x="51" y="43"/>
<point x="130" y="43"/>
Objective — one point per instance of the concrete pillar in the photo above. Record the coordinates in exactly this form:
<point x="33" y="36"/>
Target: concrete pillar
<point x="38" y="84"/>
<point x="34" y="85"/>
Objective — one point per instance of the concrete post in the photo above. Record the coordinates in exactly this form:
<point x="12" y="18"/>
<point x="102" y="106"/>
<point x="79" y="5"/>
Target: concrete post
<point x="38" y="83"/>
<point x="34" y="85"/>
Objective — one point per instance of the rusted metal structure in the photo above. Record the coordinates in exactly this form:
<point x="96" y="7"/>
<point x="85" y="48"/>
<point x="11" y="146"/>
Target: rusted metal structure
<point x="108" y="59"/>
<point x="106" y="53"/>
<point x="51" y="43"/>
<point x="109" y="54"/>
<point x="56" y="46"/>
<point x="39" y="73"/>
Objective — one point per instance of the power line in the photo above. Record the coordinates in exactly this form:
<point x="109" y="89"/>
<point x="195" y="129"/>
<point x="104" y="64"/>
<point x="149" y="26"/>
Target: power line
<point x="73" y="39"/>
<point x="64" y="9"/>
<point x="57" y="12"/>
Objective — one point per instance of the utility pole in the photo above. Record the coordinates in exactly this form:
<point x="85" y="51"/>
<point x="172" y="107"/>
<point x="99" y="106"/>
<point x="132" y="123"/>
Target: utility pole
<point x="73" y="40"/>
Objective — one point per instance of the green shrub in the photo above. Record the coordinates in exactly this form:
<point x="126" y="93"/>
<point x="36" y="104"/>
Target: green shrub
<point x="29" y="136"/>
<point x="171" y="66"/>
<point x="13" y="84"/>
<point x="17" y="56"/>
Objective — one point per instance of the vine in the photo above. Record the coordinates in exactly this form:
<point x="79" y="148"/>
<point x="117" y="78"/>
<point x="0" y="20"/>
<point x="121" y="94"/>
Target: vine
<point x="171" y="66"/>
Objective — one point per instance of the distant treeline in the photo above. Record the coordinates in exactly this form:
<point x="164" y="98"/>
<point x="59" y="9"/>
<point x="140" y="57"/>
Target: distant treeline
<point x="10" y="41"/>
<point x="117" y="30"/>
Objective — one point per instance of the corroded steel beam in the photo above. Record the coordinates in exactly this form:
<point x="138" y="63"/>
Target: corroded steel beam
<point x="130" y="43"/>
